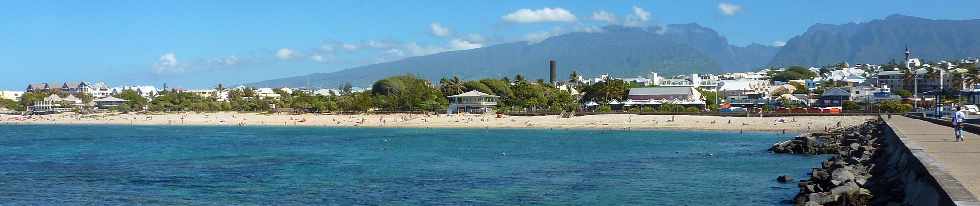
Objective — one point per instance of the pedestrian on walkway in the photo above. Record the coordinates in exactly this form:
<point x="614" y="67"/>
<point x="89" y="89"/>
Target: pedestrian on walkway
<point x="958" y="118"/>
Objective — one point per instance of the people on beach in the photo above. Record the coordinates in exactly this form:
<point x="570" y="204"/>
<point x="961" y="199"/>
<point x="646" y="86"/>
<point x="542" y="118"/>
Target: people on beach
<point x="958" y="124"/>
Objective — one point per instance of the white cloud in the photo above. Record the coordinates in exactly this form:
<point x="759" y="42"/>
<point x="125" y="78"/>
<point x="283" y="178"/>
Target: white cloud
<point x="225" y="61"/>
<point x="316" y="58"/>
<point x="540" y="15"/>
<point x="167" y="63"/>
<point x="415" y="49"/>
<point x="536" y="37"/>
<point x="459" y="44"/>
<point x="779" y="43"/>
<point x="729" y="9"/>
<point x="475" y="38"/>
<point x="349" y="46"/>
<point x="639" y="17"/>
<point x="395" y="52"/>
<point x="640" y="13"/>
<point x="285" y="54"/>
<point x="378" y="44"/>
<point x="604" y="16"/>
<point x="439" y="30"/>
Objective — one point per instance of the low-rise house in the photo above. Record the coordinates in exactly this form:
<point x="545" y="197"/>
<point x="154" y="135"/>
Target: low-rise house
<point x="266" y="93"/>
<point x="11" y="95"/>
<point x="147" y="92"/>
<point x="56" y="104"/>
<point x="327" y="92"/>
<point x="657" y="96"/>
<point x="99" y="90"/>
<point x="38" y="87"/>
<point x="220" y="96"/>
<point x="109" y="102"/>
<point x="745" y="92"/>
<point x="472" y="102"/>
<point x="75" y="88"/>
<point x="708" y="82"/>
<point x="834" y="97"/>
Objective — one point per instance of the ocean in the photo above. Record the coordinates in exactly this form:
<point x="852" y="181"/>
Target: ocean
<point x="212" y="165"/>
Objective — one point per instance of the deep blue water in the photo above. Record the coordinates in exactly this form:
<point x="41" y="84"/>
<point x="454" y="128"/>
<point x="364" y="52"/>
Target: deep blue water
<point x="125" y="165"/>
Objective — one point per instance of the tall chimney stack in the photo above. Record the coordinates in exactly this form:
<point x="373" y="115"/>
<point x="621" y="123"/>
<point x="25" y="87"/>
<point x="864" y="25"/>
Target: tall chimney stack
<point x="554" y="71"/>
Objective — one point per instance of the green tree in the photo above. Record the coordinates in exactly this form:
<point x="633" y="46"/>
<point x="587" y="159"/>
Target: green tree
<point x="668" y="107"/>
<point x="452" y="86"/>
<point x="133" y="98"/>
<point x="894" y="107"/>
<point x="606" y="91"/>
<point x="28" y="98"/>
<point x="903" y="93"/>
<point x="793" y="73"/>
<point x="851" y="106"/>
<point x="478" y="86"/>
<point x="11" y="104"/>
<point x="710" y="98"/>
<point x="573" y="78"/>
<point x="408" y="93"/>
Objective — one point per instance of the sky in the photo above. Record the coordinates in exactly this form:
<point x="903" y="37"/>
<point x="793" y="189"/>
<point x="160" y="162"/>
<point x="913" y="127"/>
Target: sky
<point x="199" y="44"/>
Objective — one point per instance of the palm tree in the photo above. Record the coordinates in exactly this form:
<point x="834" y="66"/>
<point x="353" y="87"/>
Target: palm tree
<point x="909" y="78"/>
<point x="971" y="75"/>
<point x="452" y="86"/>
<point x="573" y="77"/>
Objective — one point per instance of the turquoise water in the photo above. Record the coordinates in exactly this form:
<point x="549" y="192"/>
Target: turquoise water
<point x="125" y="165"/>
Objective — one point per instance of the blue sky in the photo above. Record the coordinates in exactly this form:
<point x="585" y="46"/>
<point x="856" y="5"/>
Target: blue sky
<point x="198" y="44"/>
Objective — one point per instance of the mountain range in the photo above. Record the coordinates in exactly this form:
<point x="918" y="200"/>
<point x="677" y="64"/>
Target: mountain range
<point x="881" y="41"/>
<point x="673" y="49"/>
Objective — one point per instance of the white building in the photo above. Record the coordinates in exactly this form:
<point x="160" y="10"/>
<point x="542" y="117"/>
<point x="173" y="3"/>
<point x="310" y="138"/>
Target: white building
<point x="11" y="95"/>
<point x="656" y="96"/>
<point x="471" y="102"/>
<point x="55" y="104"/>
<point x="99" y="90"/>
<point x="147" y="92"/>
<point x="744" y="92"/>
<point x="220" y="96"/>
<point x="266" y="93"/>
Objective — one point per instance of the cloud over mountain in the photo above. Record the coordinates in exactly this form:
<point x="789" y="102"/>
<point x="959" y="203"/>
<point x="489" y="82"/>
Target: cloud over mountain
<point x="539" y="15"/>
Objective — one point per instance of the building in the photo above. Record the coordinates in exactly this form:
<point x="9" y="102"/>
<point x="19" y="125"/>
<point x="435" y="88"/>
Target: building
<point x="75" y="88"/>
<point x="109" y="102"/>
<point x="266" y="93"/>
<point x="55" y="104"/>
<point x="99" y="90"/>
<point x="834" y="97"/>
<point x="656" y="96"/>
<point x="708" y="82"/>
<point x="11" y="95"/>
<point x="472" y="102"/>
<point x="147" y="92"/>
<point x="745" y="92"/>
<point x="220" y="96"/>
<point x="39" y="87"/>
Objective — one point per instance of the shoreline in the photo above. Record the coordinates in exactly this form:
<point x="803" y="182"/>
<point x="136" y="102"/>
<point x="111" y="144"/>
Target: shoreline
<point x="626" y="122"/>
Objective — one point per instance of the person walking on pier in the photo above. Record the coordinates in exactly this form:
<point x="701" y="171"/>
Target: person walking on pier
<point x="958" y="118"/>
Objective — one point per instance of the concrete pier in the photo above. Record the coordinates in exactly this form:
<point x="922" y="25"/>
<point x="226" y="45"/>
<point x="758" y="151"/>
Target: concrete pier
<point x="955" y="166"/>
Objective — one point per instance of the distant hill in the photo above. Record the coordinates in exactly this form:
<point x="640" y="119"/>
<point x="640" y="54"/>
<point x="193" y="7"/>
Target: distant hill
<point x="617" y="50"/>
<point x="880" y="41"/>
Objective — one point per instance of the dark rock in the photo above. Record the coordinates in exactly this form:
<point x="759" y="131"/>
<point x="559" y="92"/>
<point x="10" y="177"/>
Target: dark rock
<point x="784" y="178"/>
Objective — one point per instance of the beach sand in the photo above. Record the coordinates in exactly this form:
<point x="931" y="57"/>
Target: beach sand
<point x="605" y="121"/>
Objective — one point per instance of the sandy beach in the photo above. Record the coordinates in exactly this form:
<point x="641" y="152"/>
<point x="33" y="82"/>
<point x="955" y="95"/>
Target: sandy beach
<point x="606" y="121"/>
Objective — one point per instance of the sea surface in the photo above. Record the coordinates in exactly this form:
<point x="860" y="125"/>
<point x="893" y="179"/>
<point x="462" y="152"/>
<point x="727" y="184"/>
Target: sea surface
<point x="202" y="165"/>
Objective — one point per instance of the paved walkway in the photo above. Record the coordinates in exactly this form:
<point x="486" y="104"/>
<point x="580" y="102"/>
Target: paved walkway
<point x="961" y="160"/>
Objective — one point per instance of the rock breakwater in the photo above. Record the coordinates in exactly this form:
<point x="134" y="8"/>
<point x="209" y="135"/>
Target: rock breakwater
<point x="843" y="179"/>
